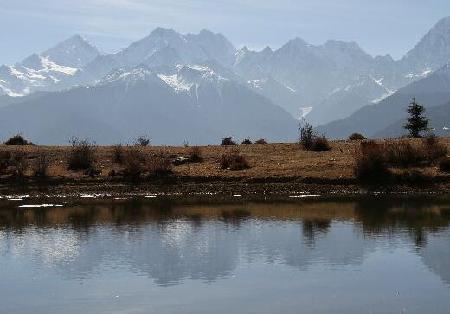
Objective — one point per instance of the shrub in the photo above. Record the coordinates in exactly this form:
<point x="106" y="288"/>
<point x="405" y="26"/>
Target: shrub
<point x="261" y="141"/>
<point x="320" y="144"/>
<point x="306" y="135"/>
<point x="20" y="164"/>
<point x="356" y="137"/>
<point x="118" y="154"/>
<point x="433" y="149"/>
<point x="247" y="141"/>
<point x="444" y="164"/>
<point x="310" y="140"/>
<point x="17" y="139"/>
<point x="142" y="141"/>
<point x="133" y="160"/>
<point x="159" y="165"/>
<point x="403" y="154"/>
<point x="233" y="161"/>
<point x="195" y="154"/>
<point x="5" y="160"/>
<point x="82" y="154"/>
<point x="41" y="165"/>
<point x="370" y="163"/>
<point x="228" y="141"/>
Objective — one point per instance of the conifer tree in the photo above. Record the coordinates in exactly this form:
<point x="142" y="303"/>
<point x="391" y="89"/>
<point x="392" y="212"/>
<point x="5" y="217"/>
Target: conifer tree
<point x="417" y="122"/>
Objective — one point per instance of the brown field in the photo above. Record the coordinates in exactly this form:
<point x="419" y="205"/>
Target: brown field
<point x="278" y="167"/>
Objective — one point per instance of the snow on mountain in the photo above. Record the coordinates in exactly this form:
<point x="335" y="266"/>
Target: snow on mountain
<point x="345" y="100"/>
<point x="74" y="52"/>
<point x="432" y="52"/>
<point x="194" y="104"/>
<point x="48" y="70"/>
<point x="333" y="79"/>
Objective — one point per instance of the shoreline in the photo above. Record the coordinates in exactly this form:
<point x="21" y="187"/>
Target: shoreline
<point x="209" y="188"/>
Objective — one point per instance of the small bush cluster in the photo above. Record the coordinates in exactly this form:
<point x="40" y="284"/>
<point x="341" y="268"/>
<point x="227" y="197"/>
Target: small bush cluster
<point x="19" y="163"/>
<point x="159" y="165"/>
<point x="311" y="141"/>
<point x="261" y="141"/>
<point x="356" y="137"/>
<point x="41" y="165"/>
<point x="136" y="164"/>
<point x="82" y="154"/>
<point x="142" y="141"/>
<point x="195" y="154"/>
<point x="373" y="160"/>
<point x="370" y="163"/>
<point x="17" y="139"/>
<point x="5" y="158"/>
<point x="118" y="154"/>
<point x="228" y="141"/>
<point x="234" y="161"/>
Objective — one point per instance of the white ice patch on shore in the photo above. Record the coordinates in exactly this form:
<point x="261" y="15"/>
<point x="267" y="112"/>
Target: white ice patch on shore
<point x="304" y="196"/>
<point x="40" y="206"/>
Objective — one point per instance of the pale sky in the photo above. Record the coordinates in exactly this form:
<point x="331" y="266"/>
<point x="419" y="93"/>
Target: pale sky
<point x="379" y="26"/>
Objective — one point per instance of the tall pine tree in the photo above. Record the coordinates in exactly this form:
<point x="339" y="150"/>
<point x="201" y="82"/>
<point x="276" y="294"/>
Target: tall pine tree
<point x="417" y="122"/>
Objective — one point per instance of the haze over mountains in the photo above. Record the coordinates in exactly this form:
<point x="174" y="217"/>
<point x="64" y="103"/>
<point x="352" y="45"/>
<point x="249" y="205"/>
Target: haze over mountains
<point x="199" y="87"/>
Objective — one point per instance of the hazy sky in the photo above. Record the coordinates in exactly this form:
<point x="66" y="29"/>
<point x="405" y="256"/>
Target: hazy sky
<point x="379" y="26"/>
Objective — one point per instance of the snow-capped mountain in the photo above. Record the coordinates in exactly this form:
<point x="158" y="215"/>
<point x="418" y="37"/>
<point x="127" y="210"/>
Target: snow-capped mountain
<point x="387" y="117"/>
<point x="343" y="101"/>
<point x="194" y="104"/>
<point x="50" y="70"/>
<point x="431" y="53"/>
<point x="327" y="82"/>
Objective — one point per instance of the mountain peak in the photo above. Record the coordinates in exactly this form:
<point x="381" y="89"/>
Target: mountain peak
<point x="433" y="50"/>
<point x="163" y="32"/>
<point x="73" y="52"/>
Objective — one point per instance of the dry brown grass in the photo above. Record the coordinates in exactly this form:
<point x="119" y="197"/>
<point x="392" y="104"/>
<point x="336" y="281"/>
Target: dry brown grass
<point x="267" y="161"/>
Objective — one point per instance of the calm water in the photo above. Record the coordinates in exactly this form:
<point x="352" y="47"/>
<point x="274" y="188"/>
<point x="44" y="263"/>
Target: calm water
<point x="367" y="256"/>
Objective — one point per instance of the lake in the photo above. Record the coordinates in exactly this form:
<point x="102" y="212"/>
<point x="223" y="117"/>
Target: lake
<point x="368" y="255"/>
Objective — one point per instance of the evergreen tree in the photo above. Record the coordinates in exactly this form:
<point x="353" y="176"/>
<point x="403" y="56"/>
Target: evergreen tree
<point x="417" y="122"/>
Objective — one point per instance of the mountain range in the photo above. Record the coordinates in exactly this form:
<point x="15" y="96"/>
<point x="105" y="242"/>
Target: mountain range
<point x="199" y="87"/>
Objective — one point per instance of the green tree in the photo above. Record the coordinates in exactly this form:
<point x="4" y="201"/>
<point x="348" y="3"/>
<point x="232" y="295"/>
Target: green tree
<point x="417" y="122"/>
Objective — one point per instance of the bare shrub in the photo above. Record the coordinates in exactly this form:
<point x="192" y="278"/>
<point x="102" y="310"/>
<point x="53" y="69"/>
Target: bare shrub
<point x="17" y="139"/>
<point x="133" y="162"/>
<point x="312" y="141"/>
<point x="228" y="141"/>
<point x="195" y="154"/>
<point x="247" y="141"/>
<point x="320" y="144"/>
<point x="403" y="154"/>
<point x="41" y="165"/>
<point x="261" y="141"/>
<point x="306" y="135"/>
<point x="142" y="141"/>
<point x="356" y="137"/>
<point x="370" y="163"/>
<point x="5" y="160"/>
<point x="159" y="165"/>
<point x="234" y="161"/>
<point x="118" y="154"/>
<point x="433" y="149"/>
<point x="20" y="164"/>
<point x="82" y="154"/>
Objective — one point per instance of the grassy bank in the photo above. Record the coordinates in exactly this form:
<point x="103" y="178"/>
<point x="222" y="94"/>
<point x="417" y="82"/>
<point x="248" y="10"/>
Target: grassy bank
<point x="268" y="168"/>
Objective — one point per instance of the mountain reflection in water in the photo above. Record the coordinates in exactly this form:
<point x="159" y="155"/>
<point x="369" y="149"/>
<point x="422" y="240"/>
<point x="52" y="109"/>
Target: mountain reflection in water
<point x="171" y="243"/>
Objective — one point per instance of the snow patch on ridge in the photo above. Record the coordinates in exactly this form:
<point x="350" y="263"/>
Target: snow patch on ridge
<point x="174" y="82"/>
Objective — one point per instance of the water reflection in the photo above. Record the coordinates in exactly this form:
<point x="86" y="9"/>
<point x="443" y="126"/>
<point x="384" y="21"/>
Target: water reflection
<point x="171" y="243"/>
